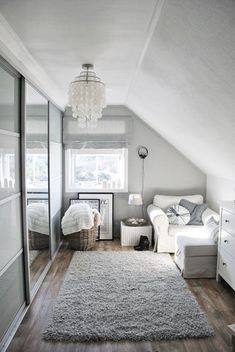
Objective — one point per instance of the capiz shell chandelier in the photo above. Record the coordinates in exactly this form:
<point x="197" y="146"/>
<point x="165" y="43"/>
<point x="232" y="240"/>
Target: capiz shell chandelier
<point x="87" y="97"/>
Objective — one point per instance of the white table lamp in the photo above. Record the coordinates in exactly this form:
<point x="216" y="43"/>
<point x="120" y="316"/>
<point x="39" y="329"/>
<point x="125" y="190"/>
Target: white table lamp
<point x="135" y="199"/>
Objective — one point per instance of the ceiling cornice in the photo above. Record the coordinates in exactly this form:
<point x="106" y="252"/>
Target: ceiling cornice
<point x="14" y="51"/>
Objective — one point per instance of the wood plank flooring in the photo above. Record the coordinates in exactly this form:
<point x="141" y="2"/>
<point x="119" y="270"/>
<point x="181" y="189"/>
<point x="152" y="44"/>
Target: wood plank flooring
<point x="38" y="265"/>
<point x="216" y="299"/>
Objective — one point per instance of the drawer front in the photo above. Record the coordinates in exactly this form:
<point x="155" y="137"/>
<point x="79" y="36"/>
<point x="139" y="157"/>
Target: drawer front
<point x="228" y="222"/>
<point x="227" y="268"/>
<point x="227" y="243"/>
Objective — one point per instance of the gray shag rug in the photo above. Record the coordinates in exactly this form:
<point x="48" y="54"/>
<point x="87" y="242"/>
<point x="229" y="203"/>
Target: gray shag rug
<point x="114" y="296"/>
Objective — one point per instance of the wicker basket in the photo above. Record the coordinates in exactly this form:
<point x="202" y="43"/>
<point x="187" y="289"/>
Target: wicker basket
<point x="83" y="240"/>
<point x="38" y="240"/>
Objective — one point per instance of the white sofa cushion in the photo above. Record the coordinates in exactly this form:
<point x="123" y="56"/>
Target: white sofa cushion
<point x="212" y="228"/>
<point x="208" y="213"/>
<point x="183" y="241"/>
<point x="164" y="202"/>
<point x="194" y="230"/>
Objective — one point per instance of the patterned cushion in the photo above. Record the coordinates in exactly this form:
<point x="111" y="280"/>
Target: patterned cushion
<point x="178" y="215"/>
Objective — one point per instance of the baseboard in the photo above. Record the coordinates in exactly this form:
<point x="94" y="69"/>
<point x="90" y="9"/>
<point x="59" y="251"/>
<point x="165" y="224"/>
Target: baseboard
<point x="56" y="252"/>
<point x="40" y="280"/>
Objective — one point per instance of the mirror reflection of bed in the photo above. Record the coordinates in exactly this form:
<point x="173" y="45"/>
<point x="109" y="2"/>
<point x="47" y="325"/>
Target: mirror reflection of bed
<point x="38" y="234"/>
<point x="37" y="182"/>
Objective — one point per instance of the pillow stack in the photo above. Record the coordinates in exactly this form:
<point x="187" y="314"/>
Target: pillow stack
<point x="186" y="213"/>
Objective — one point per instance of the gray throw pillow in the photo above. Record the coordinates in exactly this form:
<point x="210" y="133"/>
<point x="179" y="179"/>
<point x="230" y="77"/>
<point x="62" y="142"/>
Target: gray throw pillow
<point x="188" y="205"/>
<point x="195" y="210"/>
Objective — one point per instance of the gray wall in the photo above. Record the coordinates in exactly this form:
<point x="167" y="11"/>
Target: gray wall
<point x="166" y="170"/>
<point x="219" y="189"/>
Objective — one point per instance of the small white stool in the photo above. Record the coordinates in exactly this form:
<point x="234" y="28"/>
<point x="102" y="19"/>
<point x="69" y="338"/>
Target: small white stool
<point x="130" y="235"/>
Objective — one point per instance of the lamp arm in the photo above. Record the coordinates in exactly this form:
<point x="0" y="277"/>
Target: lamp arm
<point x="142" y="190"/>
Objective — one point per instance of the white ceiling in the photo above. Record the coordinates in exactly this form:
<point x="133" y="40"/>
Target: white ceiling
<point x="171" y="61"/>
<point x="63" y="34"/>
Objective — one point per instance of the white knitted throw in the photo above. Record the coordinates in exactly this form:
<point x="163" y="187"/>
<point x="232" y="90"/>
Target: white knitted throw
<point x="79" y="217"/>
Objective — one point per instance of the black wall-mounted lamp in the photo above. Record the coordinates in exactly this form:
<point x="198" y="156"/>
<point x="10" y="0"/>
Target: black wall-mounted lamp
<point x="143" y="153"/>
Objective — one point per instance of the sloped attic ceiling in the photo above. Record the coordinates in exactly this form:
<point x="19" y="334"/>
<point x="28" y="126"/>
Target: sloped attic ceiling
<point x="170" y="61"/>
<point x="185" y="85"/>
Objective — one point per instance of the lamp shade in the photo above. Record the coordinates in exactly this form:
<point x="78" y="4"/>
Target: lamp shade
<point x="87" y="97"/>
<point x="135" y="199"/>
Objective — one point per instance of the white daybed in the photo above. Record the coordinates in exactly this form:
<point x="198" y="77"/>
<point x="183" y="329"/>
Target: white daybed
<point x="195" y="251"/>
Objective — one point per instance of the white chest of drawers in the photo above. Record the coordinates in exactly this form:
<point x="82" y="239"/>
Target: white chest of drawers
<point x="226" y="244"/>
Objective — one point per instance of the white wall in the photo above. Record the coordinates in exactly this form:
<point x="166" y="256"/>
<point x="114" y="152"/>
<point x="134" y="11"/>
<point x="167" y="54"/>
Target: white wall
<point x="166" y="170"/>
<point x="219" y="189"/>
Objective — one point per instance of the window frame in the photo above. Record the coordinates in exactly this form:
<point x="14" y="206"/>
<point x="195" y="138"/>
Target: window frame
<point x="68" y="177"/>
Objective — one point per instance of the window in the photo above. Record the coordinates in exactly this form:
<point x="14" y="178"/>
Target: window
<point x="7" y="169"/>
<point x="36" y="170"/>
<point x="96" y="170"/>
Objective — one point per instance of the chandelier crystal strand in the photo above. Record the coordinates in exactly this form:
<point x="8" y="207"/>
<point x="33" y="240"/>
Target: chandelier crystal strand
<point x="87" y="98"/>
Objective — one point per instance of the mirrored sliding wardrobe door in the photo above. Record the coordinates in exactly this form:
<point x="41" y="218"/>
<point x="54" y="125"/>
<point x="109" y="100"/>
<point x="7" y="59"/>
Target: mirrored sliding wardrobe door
<point x="55" y="134"/>
<point x="12" y="285"/>
<point x="36" y="162"/>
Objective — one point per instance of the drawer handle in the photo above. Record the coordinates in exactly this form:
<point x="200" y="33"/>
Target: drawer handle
<point x="225" y="241"/>
<point x="226" y="220"/>
<point x="224" y="264"/>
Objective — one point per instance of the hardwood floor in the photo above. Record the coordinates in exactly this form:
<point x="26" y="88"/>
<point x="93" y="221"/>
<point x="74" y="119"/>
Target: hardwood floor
<point x="217" y="300"/>
<point x="38" y="265"/>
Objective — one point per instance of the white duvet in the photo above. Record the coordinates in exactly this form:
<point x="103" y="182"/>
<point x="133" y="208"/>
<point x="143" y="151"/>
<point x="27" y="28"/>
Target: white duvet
<point x="38" y="219"/>
<point x="78" y="217"/>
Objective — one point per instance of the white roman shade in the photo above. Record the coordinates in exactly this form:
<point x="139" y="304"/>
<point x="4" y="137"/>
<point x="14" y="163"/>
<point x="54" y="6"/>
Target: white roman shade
<point x="112" y="132"/>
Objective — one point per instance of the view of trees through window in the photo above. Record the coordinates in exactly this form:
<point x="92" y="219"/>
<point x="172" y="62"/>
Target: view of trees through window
<point x="7" y="169"/>
<point x="36" y="169"/>
<point x="97" y="169"/>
